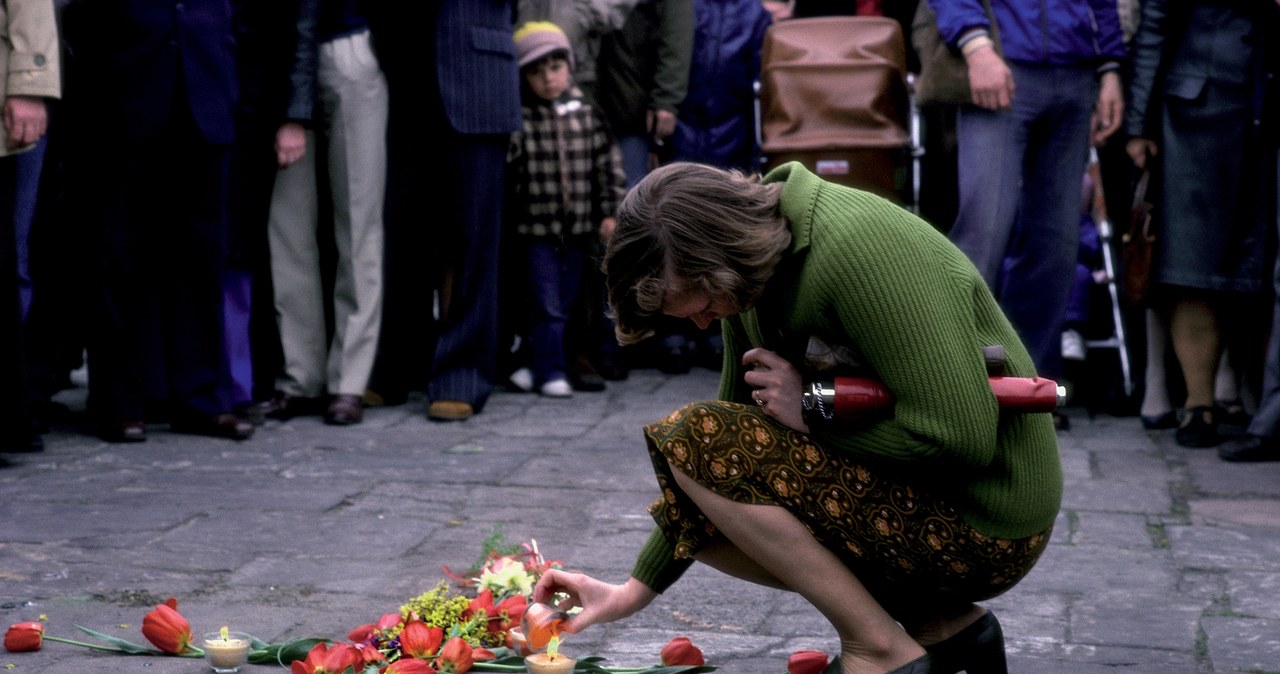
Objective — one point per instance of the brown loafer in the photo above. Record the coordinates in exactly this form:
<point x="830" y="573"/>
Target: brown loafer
<point x="214" y="425"/>
<point x="449" y="410"/>
<point x="345" y="409"/>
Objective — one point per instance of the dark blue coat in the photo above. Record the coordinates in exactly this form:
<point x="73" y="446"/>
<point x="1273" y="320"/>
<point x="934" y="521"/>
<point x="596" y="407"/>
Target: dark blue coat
<point x="141" y="54"/>
<point x="716" y="121"/>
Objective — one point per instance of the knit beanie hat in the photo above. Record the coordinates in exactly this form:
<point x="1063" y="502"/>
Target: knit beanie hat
<point x="536" y="39"/>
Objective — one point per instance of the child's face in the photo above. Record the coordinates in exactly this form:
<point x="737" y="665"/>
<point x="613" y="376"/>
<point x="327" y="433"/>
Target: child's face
<point x="549" y="78"/>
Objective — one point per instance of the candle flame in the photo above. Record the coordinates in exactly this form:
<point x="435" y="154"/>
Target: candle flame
<point x="553" y="647"/>
<point x="224" y="633"/>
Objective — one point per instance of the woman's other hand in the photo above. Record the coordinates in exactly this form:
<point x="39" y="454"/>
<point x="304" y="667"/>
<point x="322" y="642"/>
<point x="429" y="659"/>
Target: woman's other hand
<point x="1139" y="149"/>
<point x="778" y="387"/>
<point x="600" y="601"/>
<point x="291" y="144"/>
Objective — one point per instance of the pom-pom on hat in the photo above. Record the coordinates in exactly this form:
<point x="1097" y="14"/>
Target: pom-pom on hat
<point x="536" y="39"/>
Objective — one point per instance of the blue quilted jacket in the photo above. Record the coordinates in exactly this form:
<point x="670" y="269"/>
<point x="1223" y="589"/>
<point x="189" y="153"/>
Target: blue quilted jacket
<point x="1042" y="32"/>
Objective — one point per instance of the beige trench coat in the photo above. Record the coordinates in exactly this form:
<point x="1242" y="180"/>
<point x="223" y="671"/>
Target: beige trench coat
<point x="29" y="54"/>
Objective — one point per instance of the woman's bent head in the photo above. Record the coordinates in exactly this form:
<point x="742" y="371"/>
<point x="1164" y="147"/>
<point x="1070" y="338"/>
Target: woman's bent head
<point x="689" y="229"/>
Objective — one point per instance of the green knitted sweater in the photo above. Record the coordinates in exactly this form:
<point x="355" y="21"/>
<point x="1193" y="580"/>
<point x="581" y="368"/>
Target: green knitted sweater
<point x="868" y="275"/>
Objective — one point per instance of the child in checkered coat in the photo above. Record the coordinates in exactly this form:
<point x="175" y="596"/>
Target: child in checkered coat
<point x="564" y="182"/>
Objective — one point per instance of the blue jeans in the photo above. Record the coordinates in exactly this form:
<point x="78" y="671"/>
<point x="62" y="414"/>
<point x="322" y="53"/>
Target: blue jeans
<point x="1020" y="174"/>
<point x="28" y="166"/>
<point x="555" y="274"/>
<point x="635" y="157"/>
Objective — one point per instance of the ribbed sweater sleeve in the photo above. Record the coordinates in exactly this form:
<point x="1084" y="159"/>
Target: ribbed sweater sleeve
<point x="656" y="565"/>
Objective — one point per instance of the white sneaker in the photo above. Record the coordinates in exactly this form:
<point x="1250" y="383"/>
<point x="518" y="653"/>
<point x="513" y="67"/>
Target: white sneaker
<point x="557" y="388"/>
<point x="522" y="379"/>
<point x="1072" y="345"/>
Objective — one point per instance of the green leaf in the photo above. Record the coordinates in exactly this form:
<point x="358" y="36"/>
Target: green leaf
<point x="285" y="653"/>
<point x="123" y="644"/>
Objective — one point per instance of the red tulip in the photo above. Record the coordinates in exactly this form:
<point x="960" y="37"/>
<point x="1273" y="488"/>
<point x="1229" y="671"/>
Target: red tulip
<point x="361" y="634"/>
<point x="24" y="637"/>
<point x="681" y="651"/>
<point x="419" y="641"/>
<point x="369" y="654"/>
<point x="510" y="611"/>
<point x="167" y="629"/>
<point x="325" y="659"/>
<point x="481" y="654"/>
<point x="807" y="662"/>
<point x="409" y="666"/>
<point x="368" y="631"/>
<point x="456" y="656"/>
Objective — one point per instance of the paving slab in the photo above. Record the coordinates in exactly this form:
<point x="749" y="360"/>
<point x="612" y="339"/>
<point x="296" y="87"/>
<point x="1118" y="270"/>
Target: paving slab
<point x="1163" y="559"/>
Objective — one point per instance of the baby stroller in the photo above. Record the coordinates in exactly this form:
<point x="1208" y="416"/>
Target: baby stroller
<point x="833" y="95"/>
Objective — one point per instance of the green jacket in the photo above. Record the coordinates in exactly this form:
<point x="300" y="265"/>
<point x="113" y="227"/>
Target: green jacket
<point x="645" y="64"/>
<point x="868" y="275"/>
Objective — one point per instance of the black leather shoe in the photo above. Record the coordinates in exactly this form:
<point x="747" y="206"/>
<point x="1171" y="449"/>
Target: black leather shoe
<point x="1156" y="422"/>
<point x="213" y="425"/>
<point x="1250" y="448"/>
<point x="285" y="407"/>
<point x="584" y="377"/>
<point x="674" y="360"/>
<point x="1199" y="429"/>
<point x="976" y="648"/>
<point x="344" y="410"/>
<point x="613" y="367"/>
<point x="123" y="431"/>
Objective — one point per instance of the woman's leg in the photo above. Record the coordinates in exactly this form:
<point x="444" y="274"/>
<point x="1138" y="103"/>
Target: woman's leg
<point x="1155" y="396"/>
<point x="1197" y="341"/>
<point x="771" y="537"/>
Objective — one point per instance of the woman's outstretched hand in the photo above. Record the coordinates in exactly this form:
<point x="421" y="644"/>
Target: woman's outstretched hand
<point x="778" y="387"/>
<point x="601" y="602"/>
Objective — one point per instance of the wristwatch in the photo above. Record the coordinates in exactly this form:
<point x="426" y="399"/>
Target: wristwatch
<point x="818" y="403"/>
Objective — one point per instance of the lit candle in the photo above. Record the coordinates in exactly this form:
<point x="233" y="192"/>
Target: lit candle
<point x="545" y="663"/>
<point x="226" y="651"/>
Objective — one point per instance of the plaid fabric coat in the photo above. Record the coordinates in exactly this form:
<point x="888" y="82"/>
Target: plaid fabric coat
<point x="564" y="169"/>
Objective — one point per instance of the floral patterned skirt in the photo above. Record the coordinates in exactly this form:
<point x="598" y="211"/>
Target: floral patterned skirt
<point x="901" y="541"/>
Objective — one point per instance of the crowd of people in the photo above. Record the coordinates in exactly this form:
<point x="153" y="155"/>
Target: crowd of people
<point x="252" y="241"/>
<point x="247" y="209"/>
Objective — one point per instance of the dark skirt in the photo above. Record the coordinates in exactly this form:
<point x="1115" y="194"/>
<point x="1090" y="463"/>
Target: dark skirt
<point x="1217" y="181"/>
<point x="900" y="539"/>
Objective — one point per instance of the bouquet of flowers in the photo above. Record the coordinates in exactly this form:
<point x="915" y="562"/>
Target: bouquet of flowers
<point x="467" y="625"/>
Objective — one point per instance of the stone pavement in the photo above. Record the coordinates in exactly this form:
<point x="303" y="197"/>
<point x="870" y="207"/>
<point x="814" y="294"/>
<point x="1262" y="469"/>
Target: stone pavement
<point x="1164" y="559"/>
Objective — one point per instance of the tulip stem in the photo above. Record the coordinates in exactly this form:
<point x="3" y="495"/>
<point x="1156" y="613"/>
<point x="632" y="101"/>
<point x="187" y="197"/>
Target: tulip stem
<point x="73" y="642"/>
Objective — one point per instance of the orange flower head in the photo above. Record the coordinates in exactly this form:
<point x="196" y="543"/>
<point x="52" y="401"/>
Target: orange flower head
<point x="167" y="629"/>
<point x="326" y="659"/>
<point x="807" y="662"/>
<point x="680" y="652"/>
<point x="22" y="637"/>
<point x="417" y="640"/>
<point x="410" y="666"/>
<point x="456" y="657"/>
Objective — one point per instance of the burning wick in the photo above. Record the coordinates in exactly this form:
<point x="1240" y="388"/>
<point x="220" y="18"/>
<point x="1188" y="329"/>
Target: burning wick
<point x="553" y="646"/>
<point x="224" y="633"/>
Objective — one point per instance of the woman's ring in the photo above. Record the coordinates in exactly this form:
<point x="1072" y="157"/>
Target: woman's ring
<point x="755" y="395"/>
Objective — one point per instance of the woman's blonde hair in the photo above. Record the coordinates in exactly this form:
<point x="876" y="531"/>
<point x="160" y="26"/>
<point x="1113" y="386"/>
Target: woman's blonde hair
<point x="717" y="231"/>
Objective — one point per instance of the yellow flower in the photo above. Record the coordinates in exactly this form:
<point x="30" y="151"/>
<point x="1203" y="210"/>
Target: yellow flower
<point x="507" y="576"/>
